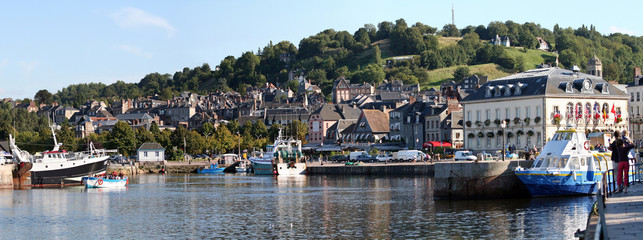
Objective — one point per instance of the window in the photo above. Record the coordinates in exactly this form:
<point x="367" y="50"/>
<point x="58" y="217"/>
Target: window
<point x="518" y="140"/>
<point x="538" y="137"/>
<point x="497" y="113"/>
<point x="507" y="113"/>
<point x="631" y="97"/>
<point x="518" y="112"/>
<point x="488" y="113"/>
<point x="158" y="153"/>
<point x="468" y="115"/>
<point x="145" y="154"/>
<point x="527" y="112"/>
<point x="638" y="96"/>
<point x="477" y="115"/>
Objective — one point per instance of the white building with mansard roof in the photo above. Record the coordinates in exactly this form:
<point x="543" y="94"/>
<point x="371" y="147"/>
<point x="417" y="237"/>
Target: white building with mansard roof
<point x="538" y="102"/>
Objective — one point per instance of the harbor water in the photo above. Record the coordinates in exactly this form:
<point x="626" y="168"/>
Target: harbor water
<point x="191" y="206"/>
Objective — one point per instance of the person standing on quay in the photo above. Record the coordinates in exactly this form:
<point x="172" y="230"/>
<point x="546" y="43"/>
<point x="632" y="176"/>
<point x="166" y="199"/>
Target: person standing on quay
<point x="612" y="147"/>
<point x="623" y="147"/>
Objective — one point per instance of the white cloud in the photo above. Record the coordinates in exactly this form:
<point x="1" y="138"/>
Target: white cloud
<point x="129" y="17"/>
<point x="614" y="29"/>
<point x="27" y="67"/>
<point x="134" y="50"/>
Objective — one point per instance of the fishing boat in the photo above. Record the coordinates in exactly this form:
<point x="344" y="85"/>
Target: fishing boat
<point x="213" y="169"/>
<point x="282" y="158"/>
<point x="58" y="167"/>
<point x="102" y="182"/>
<point x="566" y="166"/>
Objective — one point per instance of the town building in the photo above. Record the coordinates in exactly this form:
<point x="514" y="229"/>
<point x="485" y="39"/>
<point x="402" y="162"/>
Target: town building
<point x="542" y="44"/>
<point x="150" y="152"/>
<point x="371" y="127"/>
<point x="635" y="90"/>
<point x="536" y="103"/>
<point x="501" y="41"/>
<point x="324" y="117"/>
<point x="343" y="90"/>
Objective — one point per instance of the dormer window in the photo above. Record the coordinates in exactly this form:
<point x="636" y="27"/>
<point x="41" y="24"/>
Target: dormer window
<point x="606" y="89"/>
<point x="568" y="87"/>
<point x="498" y="90"/>
<point x="508" y="90"/>
<point x="519" y="88"/>
<point x="488" y="92"/>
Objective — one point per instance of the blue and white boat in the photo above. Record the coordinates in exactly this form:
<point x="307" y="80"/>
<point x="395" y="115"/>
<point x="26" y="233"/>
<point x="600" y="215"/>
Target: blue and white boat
<point x="566" y="166"/>
<point x="101" y="182"/>
<point x="213" y="169"/>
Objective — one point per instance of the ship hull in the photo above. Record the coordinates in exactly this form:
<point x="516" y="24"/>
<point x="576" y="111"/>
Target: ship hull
<point x="263" y="168"/>
<point x="285" y="169"/>
<point x="543" y="183"/>
<point x="66" y="175"/>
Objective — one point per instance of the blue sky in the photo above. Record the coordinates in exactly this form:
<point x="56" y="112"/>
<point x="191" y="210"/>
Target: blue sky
<point x="52" y="44"/>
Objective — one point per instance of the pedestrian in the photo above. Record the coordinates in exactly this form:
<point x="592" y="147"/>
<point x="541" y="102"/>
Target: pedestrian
<point x="612" y="147"/>
<point x="623" y="147"/>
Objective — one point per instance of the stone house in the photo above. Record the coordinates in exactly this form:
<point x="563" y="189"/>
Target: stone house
<point x="150" y="152"/>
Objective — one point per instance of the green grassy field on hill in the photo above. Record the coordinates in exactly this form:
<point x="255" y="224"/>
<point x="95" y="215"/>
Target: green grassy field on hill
<point x="533" y="58"/>
<point x="438" y="76"/>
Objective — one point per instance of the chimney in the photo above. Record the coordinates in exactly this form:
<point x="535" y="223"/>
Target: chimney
<point x="637" y="72"/>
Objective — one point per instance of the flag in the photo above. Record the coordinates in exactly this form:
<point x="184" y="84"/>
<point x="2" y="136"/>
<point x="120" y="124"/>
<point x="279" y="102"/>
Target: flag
<point x="613" y="111"/>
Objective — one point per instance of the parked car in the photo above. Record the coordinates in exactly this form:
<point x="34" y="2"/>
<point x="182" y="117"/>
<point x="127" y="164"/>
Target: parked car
<point x="384" y="157"/>
<point x="339" y="158"/>
<point x="353" y="155"/>
<point x="366" y="158"/>
<point x="464" y="156"/>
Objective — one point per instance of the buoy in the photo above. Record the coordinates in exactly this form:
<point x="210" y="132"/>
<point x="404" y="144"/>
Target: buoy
<point x="100" y="181"/>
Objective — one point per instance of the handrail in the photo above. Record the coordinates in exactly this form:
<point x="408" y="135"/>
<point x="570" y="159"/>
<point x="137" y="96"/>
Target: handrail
<point x="635" y="175"/>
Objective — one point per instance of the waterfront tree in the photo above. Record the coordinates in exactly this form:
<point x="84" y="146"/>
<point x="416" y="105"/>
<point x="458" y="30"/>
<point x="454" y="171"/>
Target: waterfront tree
<point x="123" y="138"/>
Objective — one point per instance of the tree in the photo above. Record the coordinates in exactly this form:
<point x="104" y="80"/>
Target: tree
<point x="123" y="138"/>
<point x="144" y="136"/>
<point x="450" y="30"/>
<point x="298" y="129"/>
<point x="373" y="73"/>
<point x="43" y="96"/>
<point x="460" y="73"/>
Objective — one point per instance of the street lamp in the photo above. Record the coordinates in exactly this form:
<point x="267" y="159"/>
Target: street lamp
<point x="503" y="125"/>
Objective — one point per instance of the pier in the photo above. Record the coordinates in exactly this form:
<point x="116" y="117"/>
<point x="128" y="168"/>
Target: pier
<point x="380" y="168"/>
<point x="624" y="214"/>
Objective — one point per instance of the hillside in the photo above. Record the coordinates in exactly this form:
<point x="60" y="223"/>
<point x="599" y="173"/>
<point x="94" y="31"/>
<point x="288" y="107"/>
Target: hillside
<point x="491" y="70"/>
<point x="361" y="57"/>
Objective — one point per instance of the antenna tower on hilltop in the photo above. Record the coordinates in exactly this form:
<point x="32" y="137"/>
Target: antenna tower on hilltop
<point x="452" y="15"/>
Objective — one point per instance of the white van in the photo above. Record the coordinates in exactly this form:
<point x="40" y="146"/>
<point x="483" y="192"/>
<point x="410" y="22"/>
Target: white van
<point x="353" y="155"/>
<point x="408" y="155"/>
<point x="464" y="156"/>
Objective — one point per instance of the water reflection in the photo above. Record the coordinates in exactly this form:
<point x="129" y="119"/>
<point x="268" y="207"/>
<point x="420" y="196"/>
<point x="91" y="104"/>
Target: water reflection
<point x="245" y="206"/>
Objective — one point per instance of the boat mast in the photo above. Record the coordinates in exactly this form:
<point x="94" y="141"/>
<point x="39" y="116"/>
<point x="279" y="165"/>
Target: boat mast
<point x="53" y="132"/>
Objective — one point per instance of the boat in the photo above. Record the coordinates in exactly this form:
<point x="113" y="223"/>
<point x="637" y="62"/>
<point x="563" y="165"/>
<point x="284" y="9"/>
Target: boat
<point x="282" y="158"/>
<point x="57" y="167"/>
<point x="102" y="182"/>
<point x="213" y="169"/>
<point x="566" y="166"/>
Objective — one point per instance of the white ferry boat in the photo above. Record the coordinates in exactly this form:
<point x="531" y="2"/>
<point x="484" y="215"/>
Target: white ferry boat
<point x="566" y="166"/>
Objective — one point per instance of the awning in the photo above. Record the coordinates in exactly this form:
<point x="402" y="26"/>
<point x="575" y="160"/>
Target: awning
<point x="330" y="148"/>
<point x="436" y="144"/>
<point x="388" y="147"/>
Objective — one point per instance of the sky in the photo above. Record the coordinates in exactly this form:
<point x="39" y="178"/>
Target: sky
<point x="52" y="44"/>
